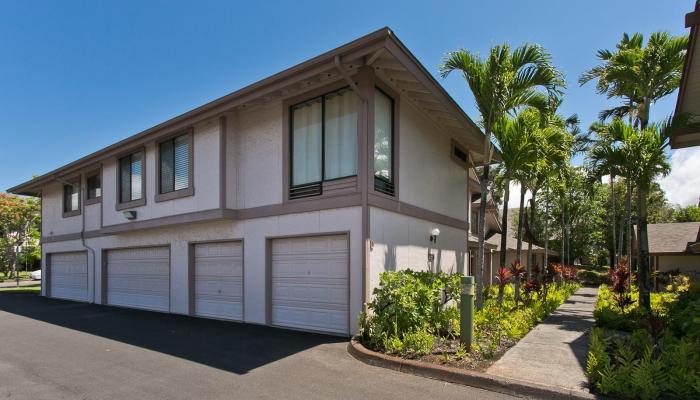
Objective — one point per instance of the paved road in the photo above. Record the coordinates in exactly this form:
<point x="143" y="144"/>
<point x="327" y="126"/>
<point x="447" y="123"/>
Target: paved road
<point x="554" y="353"/>
<point x="52" y="349"/>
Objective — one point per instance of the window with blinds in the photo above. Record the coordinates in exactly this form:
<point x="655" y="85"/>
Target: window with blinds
<point x="71" y="198"/>
<point x="131" y="177"/>
<point x="94" y="187"/>
<point x="175" y="164"/>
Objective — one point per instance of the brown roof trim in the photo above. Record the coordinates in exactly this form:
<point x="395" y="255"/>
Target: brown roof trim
<point x="692" y="20"/>
<point x="382" y="38"/>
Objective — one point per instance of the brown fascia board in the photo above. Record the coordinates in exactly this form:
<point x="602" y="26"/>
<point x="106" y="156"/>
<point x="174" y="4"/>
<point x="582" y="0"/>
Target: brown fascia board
<point x="692" y="20"/>
<point x="224" y="104"/>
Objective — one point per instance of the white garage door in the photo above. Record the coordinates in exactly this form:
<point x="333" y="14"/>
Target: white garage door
<point x="310" y="283"/>
<point x="68" y="277"/>
<point x="139" y="278"/>
<point x="218" y="277"/>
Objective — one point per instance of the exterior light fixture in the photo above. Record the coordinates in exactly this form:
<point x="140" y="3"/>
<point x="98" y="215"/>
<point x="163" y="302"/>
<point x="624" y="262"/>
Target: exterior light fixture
<point x="434" y="233"/>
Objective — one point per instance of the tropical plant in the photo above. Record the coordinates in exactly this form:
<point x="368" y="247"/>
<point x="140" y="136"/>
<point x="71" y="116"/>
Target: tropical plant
<point x="638" y="74"/>
<point x="518" y="271"/>
<point x="501" y="83"/>
<point x="503" y="276"/>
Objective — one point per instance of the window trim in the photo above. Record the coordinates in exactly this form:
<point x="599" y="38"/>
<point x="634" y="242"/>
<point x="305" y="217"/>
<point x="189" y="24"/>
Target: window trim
<point x="456" y="145"/>
<point x="288" y="148"/>
<point x="189" y="190"/>
<point x="75" y="182"/>
<point x="87" y="201"/>
<point x="119" y="206"/>
<point x="395" y="137"/>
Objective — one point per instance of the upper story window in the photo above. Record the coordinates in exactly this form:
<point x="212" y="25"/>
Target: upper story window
<point x="131" y="180"/>
<point x="175" y="167"/>
<point x="94" y="187"/>
<point x="323" y="142"/>
<point x="459" y="154"/>
<point x="71" y="199"/>
<point x="383" y="143"/>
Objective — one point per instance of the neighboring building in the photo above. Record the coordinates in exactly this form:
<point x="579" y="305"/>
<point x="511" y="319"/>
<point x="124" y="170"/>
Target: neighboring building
<point x="278" y="204"/>
<point x="673" y="247"/>
<point x="493" y="225"/>
<point x="689" y="93"/>
<point x="511" y="250"/>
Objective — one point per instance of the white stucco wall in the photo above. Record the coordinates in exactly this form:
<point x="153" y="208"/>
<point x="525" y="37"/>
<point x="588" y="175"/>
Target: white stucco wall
<point x="206" y="180"/>
<point x="428" y="176"/>
<point x="52" y="212"/>
<point x="684" y="263"/>
<point x="255" y="154"/>
<point x="402" y="242"/>
<point x="254" y="232"/>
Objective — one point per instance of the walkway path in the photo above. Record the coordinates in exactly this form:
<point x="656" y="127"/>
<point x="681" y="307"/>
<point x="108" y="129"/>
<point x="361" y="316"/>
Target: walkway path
<point x="554" y="353"/>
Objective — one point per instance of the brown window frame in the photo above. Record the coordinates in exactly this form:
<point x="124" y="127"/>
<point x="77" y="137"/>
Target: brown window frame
<point x="75" y="183"/>
<point x="395" y="117"/>
<point x="97" y="199"/>
<point x="132" y="203"/>
<point x="322" y="185"/>
<point x="189" y="190"/>
<point x="454" y="145"/>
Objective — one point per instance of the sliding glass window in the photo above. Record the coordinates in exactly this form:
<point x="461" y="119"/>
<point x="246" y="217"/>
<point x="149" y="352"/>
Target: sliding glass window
<point x="131" y="177"/>
<point x="324" y="139"/>
<point x="383" y="142"/>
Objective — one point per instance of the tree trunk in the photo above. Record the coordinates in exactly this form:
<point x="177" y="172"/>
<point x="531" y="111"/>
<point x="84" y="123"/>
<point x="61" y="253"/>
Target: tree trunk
<point x="613" y="256"/>
<point x="643" y="262"/>
<point x="543" y="270"/>
<point x="482" y="236"/>
<point x="562" y="253"/>
<point x="531" y="223"/>
<point x="519" y="246"/>
<point x="628" y="218"/>
<point x="504" y="225"/>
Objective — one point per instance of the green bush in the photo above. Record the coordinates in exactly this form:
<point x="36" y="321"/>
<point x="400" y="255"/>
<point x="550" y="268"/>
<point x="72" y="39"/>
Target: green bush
<point x="409" y="303"/>
<point x="642" y="365"/>
<point x="408" y="313"/>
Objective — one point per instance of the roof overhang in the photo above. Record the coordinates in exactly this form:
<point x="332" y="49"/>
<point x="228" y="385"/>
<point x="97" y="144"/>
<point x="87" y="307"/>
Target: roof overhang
<point x="688" y="101"/>
<point x="381" y="50"/>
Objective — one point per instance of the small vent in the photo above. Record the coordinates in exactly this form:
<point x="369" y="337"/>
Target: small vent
<point x="310" y="189"/>
<point x="461" y="155"/>
<point x="383" y="185"/>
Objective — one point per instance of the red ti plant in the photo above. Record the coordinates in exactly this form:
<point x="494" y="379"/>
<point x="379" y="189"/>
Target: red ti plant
<point x="518" y="271"/>
<point x="532" y="286"/>
<point x="619" y="281"/>
<point x="503" y="277"/>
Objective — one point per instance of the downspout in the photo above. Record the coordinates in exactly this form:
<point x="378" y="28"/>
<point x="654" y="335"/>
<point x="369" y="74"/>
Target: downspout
<point x="82" y="230"/>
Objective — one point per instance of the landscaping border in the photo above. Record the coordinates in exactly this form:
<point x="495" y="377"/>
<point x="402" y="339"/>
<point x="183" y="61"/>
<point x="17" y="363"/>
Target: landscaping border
<point x="463" y="377"/>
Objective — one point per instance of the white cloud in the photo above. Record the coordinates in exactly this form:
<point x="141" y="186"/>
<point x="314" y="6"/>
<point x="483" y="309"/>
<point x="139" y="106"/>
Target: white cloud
<point x="682" y="185"/>
<point x="514" y="198"/>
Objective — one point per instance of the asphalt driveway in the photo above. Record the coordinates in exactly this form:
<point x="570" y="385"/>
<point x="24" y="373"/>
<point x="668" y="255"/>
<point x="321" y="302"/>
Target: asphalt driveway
<point x="52" y="349"/>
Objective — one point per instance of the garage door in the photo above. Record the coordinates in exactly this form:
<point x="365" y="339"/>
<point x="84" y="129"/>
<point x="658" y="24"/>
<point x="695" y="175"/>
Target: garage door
<point x="68" y="278"/>
<point x="218" y="277"/>
<point x="310" y="283"/>
<point x="139" y="278"/>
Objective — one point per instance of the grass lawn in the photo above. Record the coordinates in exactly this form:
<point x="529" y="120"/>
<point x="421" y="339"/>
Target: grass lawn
<point x="35" y="289"/>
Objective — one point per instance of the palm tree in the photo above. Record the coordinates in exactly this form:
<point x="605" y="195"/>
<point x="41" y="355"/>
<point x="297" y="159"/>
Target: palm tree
<point x="638" y="74"/>
<point x="515" y="139"/>
<point x="605" y="159"/>
<point x="502" y="83"/>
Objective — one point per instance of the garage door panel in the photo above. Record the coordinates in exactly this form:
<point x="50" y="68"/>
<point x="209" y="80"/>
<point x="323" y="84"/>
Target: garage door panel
<point x="316" y="319"/>
<point x="68" y="276"/>
<point x="139" y="278"/>
<point x="310" y="283"/>
<point x="219" y="280"/>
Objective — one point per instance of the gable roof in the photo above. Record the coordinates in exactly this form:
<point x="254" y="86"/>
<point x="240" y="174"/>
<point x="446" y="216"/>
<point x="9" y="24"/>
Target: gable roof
<point x="381" y="50"/>
<point x="672" y="238"/>
<point x="512" y="243"/>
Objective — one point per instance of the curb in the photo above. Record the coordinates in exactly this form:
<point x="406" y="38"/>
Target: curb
<point x="480" y="380"/>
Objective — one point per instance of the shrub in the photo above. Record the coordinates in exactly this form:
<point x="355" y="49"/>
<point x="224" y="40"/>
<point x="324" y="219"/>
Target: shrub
<point x="591" y="278"/>
<point x="407" y="302"/>
<point x="661" y="356"/>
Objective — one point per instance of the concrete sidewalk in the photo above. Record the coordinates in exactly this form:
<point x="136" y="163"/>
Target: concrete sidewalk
<point x="554" y="352"/>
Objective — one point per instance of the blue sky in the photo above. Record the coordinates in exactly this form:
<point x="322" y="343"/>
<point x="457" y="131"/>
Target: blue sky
<point x="78" y="76"/>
